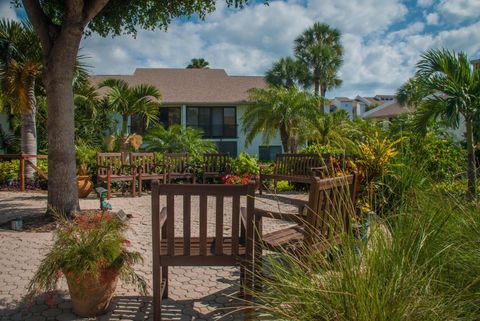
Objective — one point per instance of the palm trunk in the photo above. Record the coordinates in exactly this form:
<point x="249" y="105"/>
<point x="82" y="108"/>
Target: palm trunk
<point x="29" y="128"/>
<point x="58" y="76"/>
<point x="284" y="138"/>
<point x="471" y="171"/>
<point x="317" y="92"/>
<point x="124" y="125"/>
<point x="323" y="92"/>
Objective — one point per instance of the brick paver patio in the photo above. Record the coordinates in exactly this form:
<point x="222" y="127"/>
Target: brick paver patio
<point x="196" y="293"/>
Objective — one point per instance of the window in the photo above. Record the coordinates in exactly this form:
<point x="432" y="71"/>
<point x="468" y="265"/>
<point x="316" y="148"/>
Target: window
<point x="167" y="116"/>
<point x="268" y="153"/>
<point x="227" y="147"/>
<point x="215" y="122"/>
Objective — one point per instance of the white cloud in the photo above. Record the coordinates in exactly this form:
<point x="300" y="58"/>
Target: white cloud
<point x="459" y="10"/>
<point x="7" y="11"/>
<point x="432" y="18"/>
<point x="425" y="3"/>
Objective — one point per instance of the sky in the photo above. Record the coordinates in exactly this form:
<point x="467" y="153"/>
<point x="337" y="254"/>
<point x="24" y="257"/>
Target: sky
<point x="383" y="39"/>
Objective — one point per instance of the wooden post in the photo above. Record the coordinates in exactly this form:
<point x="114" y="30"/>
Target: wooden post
<point x="22" y="173"/>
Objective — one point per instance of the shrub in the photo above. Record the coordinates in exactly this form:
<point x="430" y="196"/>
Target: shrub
<point x="245" y="164"/>
<point x="9" y="171"/>
<point x="322" y="150"/>
<point x="285" y="186"/>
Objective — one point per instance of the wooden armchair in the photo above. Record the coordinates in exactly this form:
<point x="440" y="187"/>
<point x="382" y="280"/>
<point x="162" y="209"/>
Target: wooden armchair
<point x="321" y="220"/>
<point x="190" y="249"/>
<point x="177" y="165"/>
<point x="147" y="168"/>
<point x="216" y="165"/>
<point x="113" y="167"/>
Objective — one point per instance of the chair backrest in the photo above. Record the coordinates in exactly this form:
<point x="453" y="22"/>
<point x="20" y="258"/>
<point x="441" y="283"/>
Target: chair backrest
<point x="330" y="207"/>
<point x="114" y="160"/>
<point x="145" y="161"/>
<point x="176" y="162"/>
<point x="223" y="196"/>
<point x="216" y="163"/>
<point x="296" y="164"/>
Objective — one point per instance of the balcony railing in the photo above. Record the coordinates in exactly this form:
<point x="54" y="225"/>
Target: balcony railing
<point x="217" y="131"/>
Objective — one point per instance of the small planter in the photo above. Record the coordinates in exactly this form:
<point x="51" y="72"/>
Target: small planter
<point x="84" y="185"/>
<point x="91" y="297"/>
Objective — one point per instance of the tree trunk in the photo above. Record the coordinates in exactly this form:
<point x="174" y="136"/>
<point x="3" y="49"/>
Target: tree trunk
<point x="284" y="138"/>
<point x="323" y="92"/>
<point x="58" y="76"/>
<point x="29" y="128"/>
<point x="124" y="125"/>
<point x="316" y="81"/>
<point x="471" y="172"/>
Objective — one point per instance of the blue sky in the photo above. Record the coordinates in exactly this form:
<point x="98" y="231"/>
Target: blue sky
<point x="383" y="39"/>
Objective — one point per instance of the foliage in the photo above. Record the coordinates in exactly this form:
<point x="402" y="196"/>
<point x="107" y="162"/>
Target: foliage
<point x="236" y="180"/>
<point x="419" y="264"/>
<point x="245" y="164"/>
<point x="323" y="150"/>
<point x="86" y="158"/>
<point x="288" y="72"/>
<point x="178" y="139"/>
<point x="284" y="186"/>
<point x="277" y="109"/>
<point x="8" y="171"/>
<point x="198" y="63"/>
<point x="92" y="244"/>
<point x="140" y="100"/>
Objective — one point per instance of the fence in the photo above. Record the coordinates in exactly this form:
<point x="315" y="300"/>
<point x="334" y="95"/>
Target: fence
<point x="25" y="161"/>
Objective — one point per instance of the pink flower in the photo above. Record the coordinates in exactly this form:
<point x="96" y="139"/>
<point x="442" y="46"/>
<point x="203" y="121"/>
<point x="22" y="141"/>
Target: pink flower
<point x="58" y="274"/>
<point x="127" y="243"/>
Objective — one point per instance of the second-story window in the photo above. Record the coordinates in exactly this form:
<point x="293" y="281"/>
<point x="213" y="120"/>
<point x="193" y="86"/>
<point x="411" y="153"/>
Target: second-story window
<point x="216" y="122"/>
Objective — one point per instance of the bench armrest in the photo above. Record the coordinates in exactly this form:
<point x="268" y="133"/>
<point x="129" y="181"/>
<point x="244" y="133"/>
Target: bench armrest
<point x="291" y="217"/>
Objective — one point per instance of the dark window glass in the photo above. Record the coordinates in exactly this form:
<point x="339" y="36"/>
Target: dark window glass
<point x="268" y="153"/>
<point x="169" y="116"/>
<point x="227" y="147"/>
<point x="216" y="122"/>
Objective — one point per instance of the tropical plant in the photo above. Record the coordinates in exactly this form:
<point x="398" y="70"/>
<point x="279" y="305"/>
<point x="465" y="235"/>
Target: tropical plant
<point x="140" y="100"/>
<point x="85" y="156"/>
<point x="288" y="72"/>
<point x="319" y="48"/>
<point x="20" y="66"/>
<point x="411" y="93"/>
<point x="456" y="88"/>
<point x="279" y="109"/>
<point x="90" y="245"/>
<point x="245" y="164"/>
<point x="178" y="139"/>
<point x="198" y="63"/>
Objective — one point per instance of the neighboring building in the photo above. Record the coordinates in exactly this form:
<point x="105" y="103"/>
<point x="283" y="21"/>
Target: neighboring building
<point x="207" y="99"/>
<point x="388" y="110"/>
<point x="381" y="106"/>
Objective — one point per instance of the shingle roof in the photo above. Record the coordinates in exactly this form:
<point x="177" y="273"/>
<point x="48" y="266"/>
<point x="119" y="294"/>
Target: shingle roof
<point x="389" y="109"/>
<point x="192" y="86"/>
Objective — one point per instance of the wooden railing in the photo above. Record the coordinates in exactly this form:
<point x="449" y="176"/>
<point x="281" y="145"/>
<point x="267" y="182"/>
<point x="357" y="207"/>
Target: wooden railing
<point x="25" y="161"/>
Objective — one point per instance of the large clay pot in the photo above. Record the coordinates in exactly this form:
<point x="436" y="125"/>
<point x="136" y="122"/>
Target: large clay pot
<point x="90" y="296"/>
<point x="85" y="186"/>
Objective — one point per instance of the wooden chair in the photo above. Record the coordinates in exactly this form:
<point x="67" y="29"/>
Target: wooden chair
<point x="113" y="167"/>
<point x="236" y="249"/>
<point x="293" y="168"/>
<point x="147" y="168"/>
<point x="216" y="165"/>
<point x="177" y="165"/>
<point x="321" y="221"/>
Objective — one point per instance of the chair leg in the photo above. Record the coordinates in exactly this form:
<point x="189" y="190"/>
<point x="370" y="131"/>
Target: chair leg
<point x="109" y="189"/>
<point x="133" y="186"/>
<point x="165" y="277"/>
<point x="139" y="185"/>
<point x="157" y="298"/>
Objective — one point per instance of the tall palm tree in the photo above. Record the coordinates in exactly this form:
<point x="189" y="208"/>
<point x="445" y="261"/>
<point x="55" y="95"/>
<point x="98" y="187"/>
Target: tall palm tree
<point x="288" y="72"/>
<point x="279" y="109"/>
<point x="319" y="48"/>
<point x="411" y="93"/>
<point x="198" y="63"/>
<point x="457" y="95"/>
<point x="20" y="67"/>
<point x="140" y="100"/>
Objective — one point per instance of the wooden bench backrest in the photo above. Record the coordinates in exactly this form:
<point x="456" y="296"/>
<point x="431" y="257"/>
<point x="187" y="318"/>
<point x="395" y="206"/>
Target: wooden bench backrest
<point x="331" y="205"/>
<point x="176" y="162"/>
<point x="296" y="164"/>
<point x="216" y="162"/>
<point x="145" y="161"/>
<point x="114" y="160"/>
<point x="203" y="192"/>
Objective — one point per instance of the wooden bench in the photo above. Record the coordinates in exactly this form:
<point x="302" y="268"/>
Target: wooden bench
<point x="321" y="221"/>
<point x="216" y="166"/>
<point x="147" y="168"/>
<point x="191" y="249"/>
<point x="114" y="167"/>
<point x="176" y="165"/>
<point x="298" y="168"/>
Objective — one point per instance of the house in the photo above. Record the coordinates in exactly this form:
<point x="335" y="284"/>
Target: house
<point x="387" y="111"/>
<point x="207" y="99"/>
<point x="379" y="106"/>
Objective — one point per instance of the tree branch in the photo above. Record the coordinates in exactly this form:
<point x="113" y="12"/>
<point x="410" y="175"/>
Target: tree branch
<point x="40" y="22"/>
<point x="73" y="11"/>
<point x="92" y="8"/>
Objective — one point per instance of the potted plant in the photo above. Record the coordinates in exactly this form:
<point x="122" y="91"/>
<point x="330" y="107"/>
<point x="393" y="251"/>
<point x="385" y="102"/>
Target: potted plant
<point x="85" y="157"/>
<point x="91" y="252"/>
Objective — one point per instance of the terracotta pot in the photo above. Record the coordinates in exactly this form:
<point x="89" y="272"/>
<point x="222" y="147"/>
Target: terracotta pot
<point x="84" y="185"/>
<point x="91" y="297"/>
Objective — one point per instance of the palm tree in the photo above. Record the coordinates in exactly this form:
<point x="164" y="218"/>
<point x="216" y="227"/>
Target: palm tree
<point x="456" y="88"/>
<point x="411" y="93"/>
<point x="279" y="109"/>
<point x="140" y="100"/>
<point x="319" y="48"/>
<point x="20" y="66"/>
<point x="198" y="63"/>
<point x="288" y="72"/>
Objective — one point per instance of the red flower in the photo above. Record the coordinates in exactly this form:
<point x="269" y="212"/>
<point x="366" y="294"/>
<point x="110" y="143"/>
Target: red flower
<point x="58" y="274"/>
<point x="127" y="243"/>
